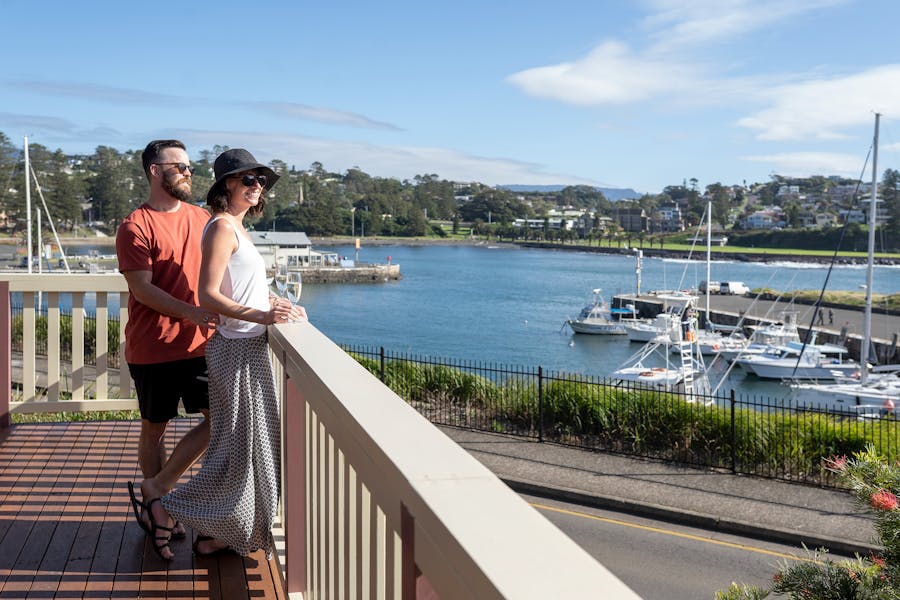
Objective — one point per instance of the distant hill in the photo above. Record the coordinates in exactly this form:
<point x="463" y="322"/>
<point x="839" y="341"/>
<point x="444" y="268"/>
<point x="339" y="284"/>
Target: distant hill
<point x="612" y="194"/>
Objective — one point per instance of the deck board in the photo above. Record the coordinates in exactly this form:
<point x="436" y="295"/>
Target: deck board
<point x="67" y="530"/>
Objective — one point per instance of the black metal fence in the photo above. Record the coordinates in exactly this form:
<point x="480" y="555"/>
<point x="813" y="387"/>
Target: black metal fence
<point x="751" y="435"/>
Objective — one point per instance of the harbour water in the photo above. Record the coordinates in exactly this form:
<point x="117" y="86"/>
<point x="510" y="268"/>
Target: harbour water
<point x="507" y="305"/>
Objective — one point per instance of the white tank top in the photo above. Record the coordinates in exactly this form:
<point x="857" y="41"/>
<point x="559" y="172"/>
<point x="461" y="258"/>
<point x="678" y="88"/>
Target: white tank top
<point x="244" y="281"/>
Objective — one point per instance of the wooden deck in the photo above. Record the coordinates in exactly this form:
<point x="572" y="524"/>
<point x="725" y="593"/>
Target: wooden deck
<point x="67" y="530"/>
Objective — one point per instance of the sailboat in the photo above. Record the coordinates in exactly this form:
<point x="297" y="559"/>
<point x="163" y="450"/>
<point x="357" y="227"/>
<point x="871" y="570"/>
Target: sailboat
<point x="873" y="394"/>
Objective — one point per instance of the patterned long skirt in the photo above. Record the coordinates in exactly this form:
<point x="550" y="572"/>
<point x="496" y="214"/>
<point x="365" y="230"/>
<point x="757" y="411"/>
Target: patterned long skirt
<point x="235" y="494"/>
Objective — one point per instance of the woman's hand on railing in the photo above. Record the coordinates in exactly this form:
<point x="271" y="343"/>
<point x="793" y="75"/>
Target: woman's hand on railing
<point x="285" y="312"/>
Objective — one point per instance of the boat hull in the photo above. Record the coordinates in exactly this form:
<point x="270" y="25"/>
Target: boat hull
<point x="596" y="328"/>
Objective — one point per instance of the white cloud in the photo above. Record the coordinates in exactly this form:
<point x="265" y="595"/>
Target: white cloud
<point x="825" y="108"/>
<point x="401" y="162"/>
<point x="805" y="164"/>
<point x="680" y="23"/>
<point x="609" y="74"/>
<point x="321" y="115"/>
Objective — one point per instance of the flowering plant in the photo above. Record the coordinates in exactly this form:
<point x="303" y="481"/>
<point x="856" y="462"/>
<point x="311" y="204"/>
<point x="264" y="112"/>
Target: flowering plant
<point x="875" y="482"/>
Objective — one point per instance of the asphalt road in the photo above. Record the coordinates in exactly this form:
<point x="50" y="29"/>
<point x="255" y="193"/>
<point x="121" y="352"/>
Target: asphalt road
<point x="665" y="561"/>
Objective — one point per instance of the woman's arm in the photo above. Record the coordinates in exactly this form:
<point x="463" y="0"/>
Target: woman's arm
<point x="219" y="243"/>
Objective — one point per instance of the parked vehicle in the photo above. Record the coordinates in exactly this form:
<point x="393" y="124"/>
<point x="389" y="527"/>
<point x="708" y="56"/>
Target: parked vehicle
<point x="713" y="287"/>
<point x="734" y="288"/>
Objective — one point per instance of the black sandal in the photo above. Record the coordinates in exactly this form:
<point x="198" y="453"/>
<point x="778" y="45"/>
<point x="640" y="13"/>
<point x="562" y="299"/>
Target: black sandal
<point x="208" y="538"/>
<point x="140" y="509"/>
<point x="156" y="538"/>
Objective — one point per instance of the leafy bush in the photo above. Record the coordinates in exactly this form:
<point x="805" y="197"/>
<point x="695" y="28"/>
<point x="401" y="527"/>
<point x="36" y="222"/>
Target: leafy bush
<point x="875" y="483"/>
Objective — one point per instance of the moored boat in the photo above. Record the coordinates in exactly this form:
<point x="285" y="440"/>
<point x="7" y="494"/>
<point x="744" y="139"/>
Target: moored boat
<point x="597" y="318"/>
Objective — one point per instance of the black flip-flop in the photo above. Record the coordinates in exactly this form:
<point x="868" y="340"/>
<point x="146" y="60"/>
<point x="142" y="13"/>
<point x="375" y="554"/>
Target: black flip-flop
<point x="157" y="538"/>
<point x="141" y="509"/>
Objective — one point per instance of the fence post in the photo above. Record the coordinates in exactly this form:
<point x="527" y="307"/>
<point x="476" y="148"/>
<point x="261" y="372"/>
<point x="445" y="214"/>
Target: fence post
<point x="540" y="404"/>
<point x="733" y="436"/>
<point x="381" y="356"/>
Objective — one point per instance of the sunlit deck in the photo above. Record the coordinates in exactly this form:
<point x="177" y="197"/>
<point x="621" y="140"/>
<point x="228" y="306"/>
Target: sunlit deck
<point x="376" y="502"/>
<point x="67" y="530"/>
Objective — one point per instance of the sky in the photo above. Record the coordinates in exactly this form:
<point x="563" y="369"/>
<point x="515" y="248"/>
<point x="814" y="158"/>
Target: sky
<point x="631" y="93"/>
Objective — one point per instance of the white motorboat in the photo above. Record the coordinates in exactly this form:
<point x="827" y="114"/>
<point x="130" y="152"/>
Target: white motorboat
<point x="653" y="367"/>
<point x="878" y="395"/>
<point x="789" y="362"/>
<point x="646" y="331"/>
<point x="781" y="333"/>
<point x="597" y="318"/>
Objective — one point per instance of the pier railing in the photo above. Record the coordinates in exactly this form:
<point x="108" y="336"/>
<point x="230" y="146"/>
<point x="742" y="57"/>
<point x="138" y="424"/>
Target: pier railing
<point x="378" y="503"/>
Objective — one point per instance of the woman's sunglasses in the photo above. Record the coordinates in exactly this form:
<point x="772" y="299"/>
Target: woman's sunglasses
<point x="249" y="180"/>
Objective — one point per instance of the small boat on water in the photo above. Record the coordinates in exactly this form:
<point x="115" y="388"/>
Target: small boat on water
<point x="598" y="318"/>
<point x="796" y="362"/>
<point x="655" y="368"/>
<point x="646" y="331"/>
<point x="878" y="395"/>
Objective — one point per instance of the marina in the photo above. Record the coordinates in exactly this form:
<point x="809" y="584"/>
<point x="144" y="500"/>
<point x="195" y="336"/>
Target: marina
<point x="504" y="304"/>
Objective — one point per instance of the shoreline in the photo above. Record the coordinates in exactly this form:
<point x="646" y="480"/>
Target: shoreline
<point x="766" y="257"/>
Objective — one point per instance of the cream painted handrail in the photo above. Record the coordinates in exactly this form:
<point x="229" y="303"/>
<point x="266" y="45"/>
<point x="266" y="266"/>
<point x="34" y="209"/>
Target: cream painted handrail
<point x="381" y="504"/>
<point x="52" y="384"/>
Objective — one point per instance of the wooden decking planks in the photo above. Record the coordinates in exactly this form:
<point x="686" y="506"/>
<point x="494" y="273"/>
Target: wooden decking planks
<point x="67" y="530"/>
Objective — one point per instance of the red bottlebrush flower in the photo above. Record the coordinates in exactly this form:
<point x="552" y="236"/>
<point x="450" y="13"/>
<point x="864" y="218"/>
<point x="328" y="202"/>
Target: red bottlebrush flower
<point x="836" y="463"/>
<point x="879" y="561"/>
<point x="884" y="500"/>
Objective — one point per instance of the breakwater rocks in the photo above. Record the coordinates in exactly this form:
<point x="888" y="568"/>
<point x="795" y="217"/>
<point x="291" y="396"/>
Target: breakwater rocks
<point x="768" y="256"/>
<point x="357" y="274"/>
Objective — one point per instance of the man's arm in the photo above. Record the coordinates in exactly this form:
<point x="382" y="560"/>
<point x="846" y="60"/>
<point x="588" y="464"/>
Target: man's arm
<point x="140" y="284"/>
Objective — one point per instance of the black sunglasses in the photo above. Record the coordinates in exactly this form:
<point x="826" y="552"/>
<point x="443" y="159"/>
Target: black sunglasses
<point x="249" y="180"/>
<point x="178" y="165"/>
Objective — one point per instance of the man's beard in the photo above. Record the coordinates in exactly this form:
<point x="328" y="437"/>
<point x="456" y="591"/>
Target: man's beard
<point x="177" y="191"/>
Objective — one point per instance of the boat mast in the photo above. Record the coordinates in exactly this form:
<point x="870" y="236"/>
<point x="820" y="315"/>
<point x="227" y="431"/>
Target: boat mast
<point x="708" y="254"/>
<point x="867" y="321"/>
<point x="28" y="204"/>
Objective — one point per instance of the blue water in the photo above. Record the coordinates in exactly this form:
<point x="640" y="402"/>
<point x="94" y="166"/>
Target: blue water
<point x="508" y="305"/>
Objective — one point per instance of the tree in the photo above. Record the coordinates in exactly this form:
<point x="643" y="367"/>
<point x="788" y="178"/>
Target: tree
<point x="109" y="186"/>
<point x="63" y="191"/>
<point x="721" y="203"/>
<point x="10" y="157"/>
<point x="890" y="194"/>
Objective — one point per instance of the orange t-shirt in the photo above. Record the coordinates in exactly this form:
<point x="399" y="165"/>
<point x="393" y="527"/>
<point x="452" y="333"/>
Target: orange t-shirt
<point x="168" y="245"/>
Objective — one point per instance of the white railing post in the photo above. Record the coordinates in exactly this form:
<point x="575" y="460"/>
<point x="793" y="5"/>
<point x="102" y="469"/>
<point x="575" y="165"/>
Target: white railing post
<point x="294" y="478"/>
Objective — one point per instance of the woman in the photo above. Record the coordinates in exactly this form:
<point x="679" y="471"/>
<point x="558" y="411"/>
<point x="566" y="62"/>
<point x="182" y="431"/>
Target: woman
<point x="232" y="500"/>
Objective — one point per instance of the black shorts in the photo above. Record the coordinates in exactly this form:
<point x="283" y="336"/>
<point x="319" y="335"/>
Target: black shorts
<point x="161" y="385"/>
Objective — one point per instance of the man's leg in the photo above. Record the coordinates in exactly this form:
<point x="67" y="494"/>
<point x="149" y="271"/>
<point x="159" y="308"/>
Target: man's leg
<point x="152" y="447"/>
<point x="190" y="448"/>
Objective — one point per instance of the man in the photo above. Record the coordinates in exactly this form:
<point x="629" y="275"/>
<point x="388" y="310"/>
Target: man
<point x="158" y="248"/>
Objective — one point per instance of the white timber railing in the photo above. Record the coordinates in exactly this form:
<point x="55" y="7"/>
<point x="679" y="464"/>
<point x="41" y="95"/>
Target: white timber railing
<point x="47" y="383"/>
<point x="377" y="502"/>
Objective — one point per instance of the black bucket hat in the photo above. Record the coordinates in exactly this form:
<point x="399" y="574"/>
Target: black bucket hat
<point x="235" y="161"/>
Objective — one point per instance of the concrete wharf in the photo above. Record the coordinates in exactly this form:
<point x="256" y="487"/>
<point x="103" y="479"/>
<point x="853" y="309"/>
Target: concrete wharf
<point x="728" y="310"/>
